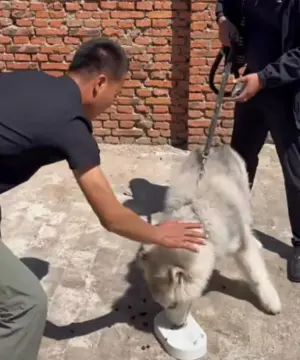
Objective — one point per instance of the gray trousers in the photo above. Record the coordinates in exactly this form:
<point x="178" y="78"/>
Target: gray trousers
<point x="23" y="308"/>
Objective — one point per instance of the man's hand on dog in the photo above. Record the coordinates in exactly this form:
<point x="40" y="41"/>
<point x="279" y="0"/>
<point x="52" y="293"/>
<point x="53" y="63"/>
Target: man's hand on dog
<point x="185" y="235"/>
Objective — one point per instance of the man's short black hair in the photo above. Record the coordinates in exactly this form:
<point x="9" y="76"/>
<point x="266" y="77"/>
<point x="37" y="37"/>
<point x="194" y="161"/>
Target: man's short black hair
<point x="100" y="55"/>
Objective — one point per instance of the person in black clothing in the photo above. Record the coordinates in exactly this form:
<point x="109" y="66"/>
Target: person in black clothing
<point x="270" y="100"/>
<point x="44" y="119"/>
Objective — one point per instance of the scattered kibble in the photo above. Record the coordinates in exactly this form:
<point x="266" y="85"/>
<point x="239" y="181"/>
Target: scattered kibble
<point x="145" y="323"/>
<point x="145" y="347"/>
<point x="116" y="309"/>
<point x="223" y="287"/>
<point x="132" y="317"/>
<point x="129" y="307"/>
<point x="143" y="314"/>
<point x="144" y="300"/>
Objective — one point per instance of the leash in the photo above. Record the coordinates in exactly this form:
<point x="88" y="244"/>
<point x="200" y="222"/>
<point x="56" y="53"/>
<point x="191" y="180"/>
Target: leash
<point x="234" y="59"/>
<point x="228" y="54"/>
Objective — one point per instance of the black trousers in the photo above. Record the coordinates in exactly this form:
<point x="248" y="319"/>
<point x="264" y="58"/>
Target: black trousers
<point x="271" y="110"/>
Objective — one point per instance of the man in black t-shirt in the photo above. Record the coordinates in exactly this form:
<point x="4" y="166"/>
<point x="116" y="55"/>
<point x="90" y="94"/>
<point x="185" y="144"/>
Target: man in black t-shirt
<point x="43" y="120"/>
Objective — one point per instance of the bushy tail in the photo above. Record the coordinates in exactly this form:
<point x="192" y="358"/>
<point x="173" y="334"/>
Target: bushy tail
<point x="184" y="182"/>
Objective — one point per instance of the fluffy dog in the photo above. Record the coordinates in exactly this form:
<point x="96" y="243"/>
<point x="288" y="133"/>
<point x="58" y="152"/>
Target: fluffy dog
<point x="220" y="200"/>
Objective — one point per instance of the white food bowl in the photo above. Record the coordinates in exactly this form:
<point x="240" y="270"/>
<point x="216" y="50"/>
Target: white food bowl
<point x="186" y="343"/>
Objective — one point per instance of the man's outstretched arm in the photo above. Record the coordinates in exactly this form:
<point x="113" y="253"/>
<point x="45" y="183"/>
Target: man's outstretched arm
<point x="120" y="220"/>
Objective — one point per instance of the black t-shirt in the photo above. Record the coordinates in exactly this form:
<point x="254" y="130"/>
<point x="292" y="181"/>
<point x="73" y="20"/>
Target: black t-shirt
<point x="41" y="122"/>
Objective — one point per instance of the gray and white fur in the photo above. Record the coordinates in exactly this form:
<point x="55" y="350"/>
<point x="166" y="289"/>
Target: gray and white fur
<point x="220" y="200"/>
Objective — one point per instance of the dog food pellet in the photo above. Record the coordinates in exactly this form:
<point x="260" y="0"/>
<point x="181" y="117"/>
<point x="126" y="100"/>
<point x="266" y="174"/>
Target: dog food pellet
<point x="145" y="323"/>
<point x="144" y="300"/>
<point x="116" y="309"/>
<point x="143" y="348"/>
<point x="132" y="317"/>
<point x="129" y="307"/>
<point x="148" y="346"/>
<point x="223" y="287"/>
<point x="143" y="314"/>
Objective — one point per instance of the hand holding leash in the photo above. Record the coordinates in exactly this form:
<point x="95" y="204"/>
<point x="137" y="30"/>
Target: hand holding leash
<point x="246" y="87"/>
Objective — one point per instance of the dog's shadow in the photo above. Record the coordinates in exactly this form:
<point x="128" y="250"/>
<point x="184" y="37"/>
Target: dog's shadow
<point x="135" y="307"/>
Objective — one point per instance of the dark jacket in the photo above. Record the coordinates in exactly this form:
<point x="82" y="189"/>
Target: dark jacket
<point x="286" y="69"/>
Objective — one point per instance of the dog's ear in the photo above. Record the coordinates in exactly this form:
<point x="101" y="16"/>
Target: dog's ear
<point x="178" y="275"/>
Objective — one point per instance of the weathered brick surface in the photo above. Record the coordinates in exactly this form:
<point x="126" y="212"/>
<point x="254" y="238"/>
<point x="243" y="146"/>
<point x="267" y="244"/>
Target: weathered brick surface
<point x="172" y="44"/>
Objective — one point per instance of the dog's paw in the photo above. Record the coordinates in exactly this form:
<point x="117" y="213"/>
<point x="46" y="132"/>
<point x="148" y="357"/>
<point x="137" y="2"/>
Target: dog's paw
<point x="270" y="300"/>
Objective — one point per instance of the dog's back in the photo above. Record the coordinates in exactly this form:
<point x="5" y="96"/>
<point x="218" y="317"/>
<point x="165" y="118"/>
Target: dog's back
<point x="220" y="199"/>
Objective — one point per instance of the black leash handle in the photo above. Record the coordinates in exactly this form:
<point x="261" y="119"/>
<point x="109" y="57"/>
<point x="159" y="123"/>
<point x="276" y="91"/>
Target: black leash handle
<point x="227" y="53"/>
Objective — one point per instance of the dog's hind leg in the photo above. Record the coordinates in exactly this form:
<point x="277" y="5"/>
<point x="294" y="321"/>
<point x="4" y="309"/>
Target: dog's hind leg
<point x="251" y="262"/>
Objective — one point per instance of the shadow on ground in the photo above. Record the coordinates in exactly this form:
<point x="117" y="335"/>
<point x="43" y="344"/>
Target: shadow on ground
<point x="135" y="307"/>
<point x="147" y="198"/>
<point x="274" y="245"/>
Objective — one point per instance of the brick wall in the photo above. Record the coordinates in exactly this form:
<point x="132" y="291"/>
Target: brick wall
<point x="172" y="44"/>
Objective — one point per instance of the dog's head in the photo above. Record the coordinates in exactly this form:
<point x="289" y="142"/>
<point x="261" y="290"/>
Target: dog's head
<point x="170" y="284"/>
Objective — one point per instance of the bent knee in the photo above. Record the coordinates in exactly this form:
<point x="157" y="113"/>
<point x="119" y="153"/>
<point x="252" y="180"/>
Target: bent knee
<point x="35" y="303"/>
<point x="38" y="300"/>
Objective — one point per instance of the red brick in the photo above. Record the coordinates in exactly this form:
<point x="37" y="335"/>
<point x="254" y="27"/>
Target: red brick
<point x="18" y="5"/>
<point x="110" y="124"/>
<point x="160" y="23"/>
<point x="91" y="23"/>
<point x="90" y="6"/>
<point x="22" y="57"/>
<point x="143" y="23"/>
<point x="126" y="124"/>
<point x="40" y="23"/>
<point x="108" y="5"/>
<point x="144" y="92"/>
<point x="127" y="132"/>
<point x="54" y="66"/>
<point x="144" y="5"/>
<point x="126" y="15"/>
<point x="37" y="6"/>
<point x="21" y="40"/>
<point x="24" y="22"/>
<point x="72" y="6"/>
<point x="5" y="40"/>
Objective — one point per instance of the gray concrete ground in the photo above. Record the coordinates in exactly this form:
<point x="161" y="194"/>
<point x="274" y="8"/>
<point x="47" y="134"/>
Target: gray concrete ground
<point x="99" y="307"/>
